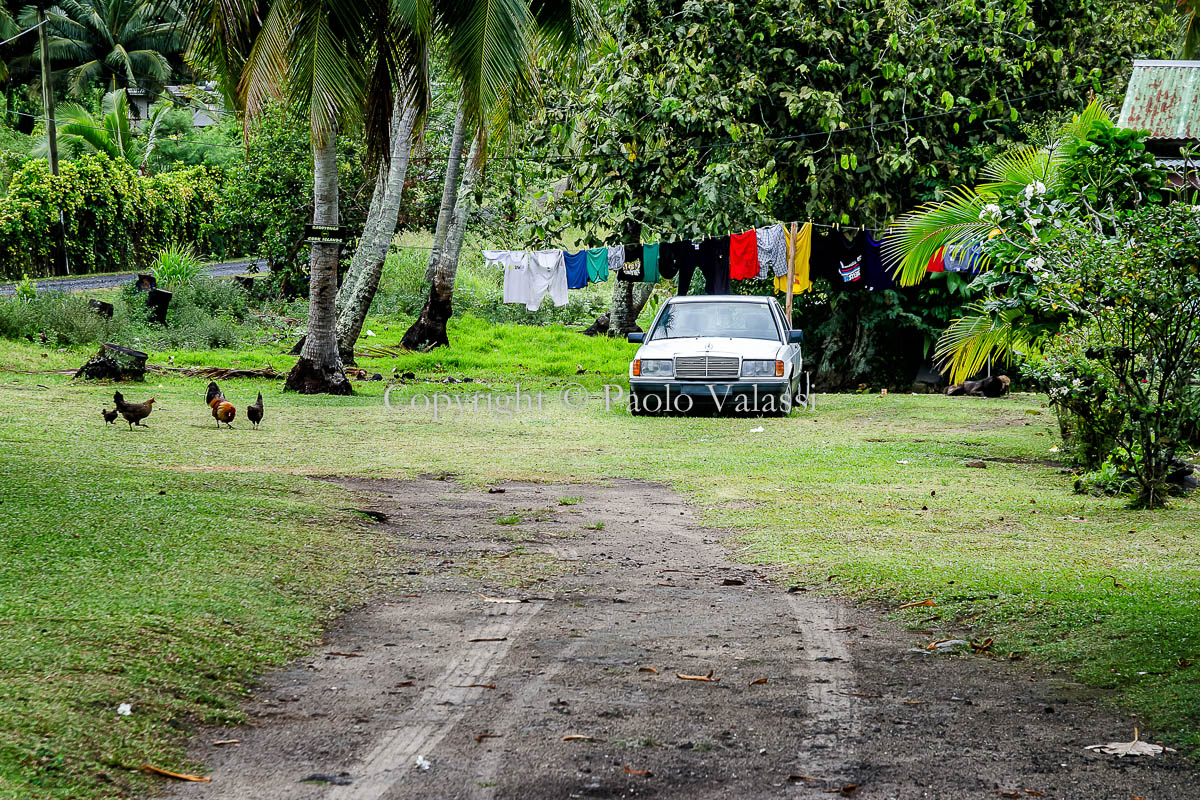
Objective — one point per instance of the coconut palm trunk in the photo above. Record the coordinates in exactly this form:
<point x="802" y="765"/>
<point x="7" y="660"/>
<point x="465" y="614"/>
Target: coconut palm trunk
<point x="449" y="191"/>
<point x="429" y="330"/>
<point x="628" y="300"/>
<point x="362" y="281"/>
<point x="319" y="369"/>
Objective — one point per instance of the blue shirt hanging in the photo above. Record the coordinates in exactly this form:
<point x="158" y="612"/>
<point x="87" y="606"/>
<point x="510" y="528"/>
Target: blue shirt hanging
<point x="577" y="270"/>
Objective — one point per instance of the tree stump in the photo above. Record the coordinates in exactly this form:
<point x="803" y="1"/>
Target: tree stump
<point x="157" y="300"/>
<point x="114" y="363"/>
<point x="146" y="282"/>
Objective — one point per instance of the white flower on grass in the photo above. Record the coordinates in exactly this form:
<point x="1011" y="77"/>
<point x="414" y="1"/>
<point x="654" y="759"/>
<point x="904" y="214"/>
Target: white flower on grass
<point x="124" y="710"/>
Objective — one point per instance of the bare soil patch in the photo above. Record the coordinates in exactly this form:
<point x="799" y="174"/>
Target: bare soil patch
<point x="595" y="641"/>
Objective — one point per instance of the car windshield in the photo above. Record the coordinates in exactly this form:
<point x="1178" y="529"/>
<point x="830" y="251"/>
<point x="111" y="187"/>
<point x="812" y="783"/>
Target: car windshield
<point x="716" y="318"/>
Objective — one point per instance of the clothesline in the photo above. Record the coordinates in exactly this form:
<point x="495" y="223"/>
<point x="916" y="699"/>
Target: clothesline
<point x="792" y="256"/>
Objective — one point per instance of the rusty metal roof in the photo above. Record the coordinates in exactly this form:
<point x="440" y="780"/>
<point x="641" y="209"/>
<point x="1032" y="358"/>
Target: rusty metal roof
<point x="1163" y="97"/>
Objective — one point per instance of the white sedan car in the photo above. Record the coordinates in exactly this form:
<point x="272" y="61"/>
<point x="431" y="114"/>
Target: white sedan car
<point x="727" y="352"/>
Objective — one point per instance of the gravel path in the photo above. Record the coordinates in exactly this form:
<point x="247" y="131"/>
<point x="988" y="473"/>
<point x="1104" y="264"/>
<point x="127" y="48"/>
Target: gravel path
<point x="88" y="282"/>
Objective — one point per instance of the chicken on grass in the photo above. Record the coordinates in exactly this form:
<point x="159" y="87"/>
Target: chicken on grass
<point x="222" y="409"/>
<point x="254" y="413"/>
<point x="109" y="416"/>
<point x="133" y="413"/>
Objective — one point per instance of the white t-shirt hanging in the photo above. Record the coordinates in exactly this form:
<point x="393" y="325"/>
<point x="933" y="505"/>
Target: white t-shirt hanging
<point x="547" y="275"/>
<point x="516" y="273"/>
<point x="616" y="258"/>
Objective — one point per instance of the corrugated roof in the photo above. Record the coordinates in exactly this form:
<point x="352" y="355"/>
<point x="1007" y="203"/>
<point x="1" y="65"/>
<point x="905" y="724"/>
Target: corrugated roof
<point x="1164" y="98"/>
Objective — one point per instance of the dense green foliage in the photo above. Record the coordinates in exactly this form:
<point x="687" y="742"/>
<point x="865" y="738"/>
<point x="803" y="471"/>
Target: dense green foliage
<point x="1126" y="376"/>
<point x="115" y="219"/>
<point x="712" y="117"/>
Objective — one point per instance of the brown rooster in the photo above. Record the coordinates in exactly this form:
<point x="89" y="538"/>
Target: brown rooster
<point x="133" y="413"/>
<point x="109" y="416"/>
<point x="254" y="413"/>
<point x="222" y="409"/>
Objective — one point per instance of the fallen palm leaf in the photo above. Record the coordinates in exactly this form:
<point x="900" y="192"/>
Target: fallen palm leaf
<point x="479" y="737"/>
<point x="487" y="599"/>
<point x="648" y="669"/>
<point x="579" y="737"/>
<point x="918" y="604"/>
<point x="758" y="681"/>
<point x="475" y="686"/>
<point x="220" y="742"/>
<point x="1134" y="748"/>
<point x="805" y="778"/>
<point x="708" y="678"/>
<point x="489" y="639"/>
<point x="179" y="776"/>
<point x="645" y="773"/>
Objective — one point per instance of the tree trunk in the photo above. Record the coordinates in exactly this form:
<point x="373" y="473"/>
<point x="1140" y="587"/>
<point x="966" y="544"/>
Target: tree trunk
<point x="319" y="369"/>
<point x="372" y="251"/>
<point x="449" y="192"/>
<point x="369" y="228"/>
<point x="429" y="330"/>
<point x="629" y="298"/>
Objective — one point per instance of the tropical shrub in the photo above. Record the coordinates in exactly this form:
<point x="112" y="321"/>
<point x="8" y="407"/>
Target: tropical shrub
<point x="1131" y="381"/>
<point x="114" y="218"/>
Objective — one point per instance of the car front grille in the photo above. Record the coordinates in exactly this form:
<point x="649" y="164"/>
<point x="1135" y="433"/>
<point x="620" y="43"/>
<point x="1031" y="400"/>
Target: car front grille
<point x="699" y="367"/>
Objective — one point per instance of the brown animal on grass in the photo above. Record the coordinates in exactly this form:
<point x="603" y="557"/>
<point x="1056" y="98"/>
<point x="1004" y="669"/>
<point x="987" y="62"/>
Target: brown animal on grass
<point x="222" y="409"/>
<point x="133" y="413"/>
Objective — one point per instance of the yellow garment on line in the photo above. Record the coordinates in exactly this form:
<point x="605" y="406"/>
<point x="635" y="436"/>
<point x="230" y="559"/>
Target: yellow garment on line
<point x="802" y="252"/>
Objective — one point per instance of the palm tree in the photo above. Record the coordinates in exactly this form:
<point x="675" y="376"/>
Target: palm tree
<point x="498" y="53"/>
<point x="112" y="43"/>
<point x="111" y="133"/>
<point x="338" y="59"/>
<point x="1189" y="37"/>
<point x="963" y="220"/>
<point x="8" y="28"/>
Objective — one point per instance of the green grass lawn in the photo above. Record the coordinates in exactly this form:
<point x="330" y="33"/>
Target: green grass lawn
<point x="164" y="567"/>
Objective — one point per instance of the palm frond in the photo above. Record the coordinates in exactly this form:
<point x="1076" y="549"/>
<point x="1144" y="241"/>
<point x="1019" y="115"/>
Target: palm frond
<point x="981" y="336"/>
<point x="157" y="115"/>
<point x="917" y="236"/>
<point x="490" y="50"/>
<point x="1189" y="30"/>
<point x="1075" y="132"/>
<point x="1011" y="172"/>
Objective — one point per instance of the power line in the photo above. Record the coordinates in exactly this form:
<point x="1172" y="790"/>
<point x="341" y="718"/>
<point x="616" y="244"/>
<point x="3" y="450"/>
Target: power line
<point x="22" y="33"/>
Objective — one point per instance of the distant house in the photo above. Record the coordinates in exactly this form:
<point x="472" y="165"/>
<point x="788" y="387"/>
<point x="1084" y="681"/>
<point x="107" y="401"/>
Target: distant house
<point x="1163" y="97"/>
<point x="203" y="115"/>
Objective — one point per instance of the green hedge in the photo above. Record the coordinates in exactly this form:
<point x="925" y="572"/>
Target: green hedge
<point x="116" y="219"/>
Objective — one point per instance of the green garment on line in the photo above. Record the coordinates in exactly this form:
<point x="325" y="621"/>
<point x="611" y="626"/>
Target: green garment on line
<point x="597" y="263"/>
<point x="650" y="263"/>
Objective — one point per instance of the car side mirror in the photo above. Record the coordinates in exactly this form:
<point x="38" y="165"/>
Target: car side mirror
<point x="637" y="338"/>
<point x="795" y="337"/>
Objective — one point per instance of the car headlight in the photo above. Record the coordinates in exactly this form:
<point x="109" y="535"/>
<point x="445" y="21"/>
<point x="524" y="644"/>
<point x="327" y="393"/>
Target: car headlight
<point x="755" y="368"/>
<point x="654" y="368"/>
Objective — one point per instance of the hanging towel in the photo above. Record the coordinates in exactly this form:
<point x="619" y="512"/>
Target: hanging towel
<point x="631" y="270"/>
<point x="515" y="264"/>
<point x="577" y="269"/>
<point x="616" y="257"/>
<point x="714" y="263"/>
<point x="547" y="275"/>
<point x="937" y="262"/>
<point x="670" y="256"/>
<point x="876" y="273"/>
<point x="650" y="261"/>
<point x="772" y="251"/>
<point x="597" y="264"/>
<point x="743" y="255"/>
<point x="801" y="252"/>
<point x="688" y="256"/>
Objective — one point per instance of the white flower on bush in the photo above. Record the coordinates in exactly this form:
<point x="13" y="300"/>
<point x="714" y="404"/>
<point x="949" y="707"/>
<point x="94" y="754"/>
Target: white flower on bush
<point x="1036" y="188"/>
<point x="1037" y="262"/>
<point x="990" y="213"/>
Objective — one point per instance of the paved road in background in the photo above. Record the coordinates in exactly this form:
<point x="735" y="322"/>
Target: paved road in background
<point x="89" y="282"/>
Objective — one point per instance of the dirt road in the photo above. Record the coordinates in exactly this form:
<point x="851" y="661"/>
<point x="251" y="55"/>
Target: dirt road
<point x="581" y="688"/>
<point x="84" y="283"/>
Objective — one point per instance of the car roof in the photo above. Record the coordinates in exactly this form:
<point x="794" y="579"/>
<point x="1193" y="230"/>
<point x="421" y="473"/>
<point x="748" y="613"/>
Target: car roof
<point x="708" y="298"/>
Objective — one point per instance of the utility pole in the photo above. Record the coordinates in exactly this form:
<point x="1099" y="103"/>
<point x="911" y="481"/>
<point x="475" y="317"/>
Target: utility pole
<point x="51" y="127"/>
